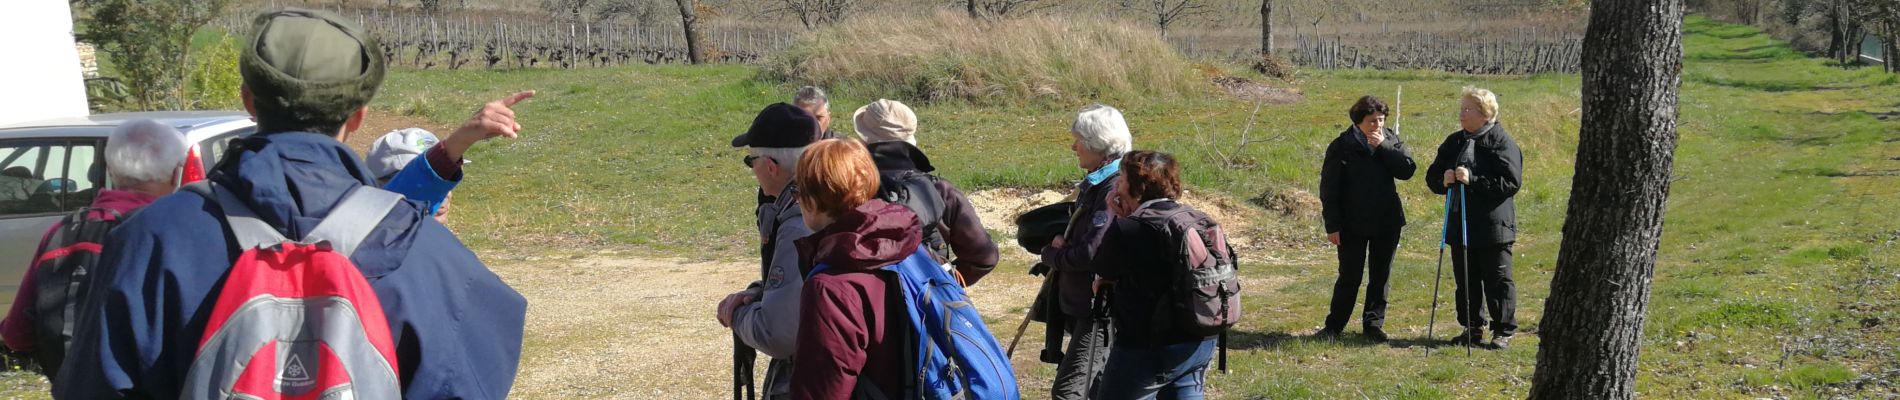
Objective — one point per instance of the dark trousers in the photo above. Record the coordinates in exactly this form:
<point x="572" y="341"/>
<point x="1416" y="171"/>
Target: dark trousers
<point x="1088" y="353"/>
<point x="1488" y="287"/>
<point x="1359" y="254"/>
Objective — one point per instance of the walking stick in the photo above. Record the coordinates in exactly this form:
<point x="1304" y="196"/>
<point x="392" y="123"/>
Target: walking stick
<point x="743" y="359"/>
<point x="1464" y="239"/>
<point x="1438" y="275"/>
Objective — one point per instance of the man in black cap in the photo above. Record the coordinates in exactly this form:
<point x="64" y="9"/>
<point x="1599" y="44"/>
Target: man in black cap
<point x="307" y="77"/>
<point x="764" y="316"/>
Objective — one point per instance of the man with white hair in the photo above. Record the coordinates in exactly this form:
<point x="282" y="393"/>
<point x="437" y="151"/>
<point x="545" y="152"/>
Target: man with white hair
<point x="142" y="159"/>
<point x="764" y="316"/>
<point x="950" y="224"/>
<point x="1101" y="137"/>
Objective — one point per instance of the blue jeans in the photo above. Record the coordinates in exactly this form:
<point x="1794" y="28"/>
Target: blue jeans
<point x="1171" y="372"/>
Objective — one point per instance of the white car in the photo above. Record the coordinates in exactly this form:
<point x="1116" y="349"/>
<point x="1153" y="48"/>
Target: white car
<point x="51" y="168"/>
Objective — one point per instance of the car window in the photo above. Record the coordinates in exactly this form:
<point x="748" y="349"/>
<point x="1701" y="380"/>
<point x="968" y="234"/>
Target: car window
<point x="211" y="150"/>
<point x="48" y="176"/>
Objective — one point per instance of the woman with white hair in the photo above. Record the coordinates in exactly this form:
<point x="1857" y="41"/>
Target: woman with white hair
<point x="1481" y="164"/>
<point x="1100" y="139"/>
<point x="143" y="159"/>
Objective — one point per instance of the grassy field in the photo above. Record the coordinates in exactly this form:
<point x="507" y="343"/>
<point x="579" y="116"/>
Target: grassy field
<point x="1775" y="279"/>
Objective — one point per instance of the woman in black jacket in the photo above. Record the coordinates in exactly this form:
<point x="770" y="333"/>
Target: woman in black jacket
<point x="1152" y="356"/>
<point x="1362" y="212"/>
<point x="1485" y="165"/>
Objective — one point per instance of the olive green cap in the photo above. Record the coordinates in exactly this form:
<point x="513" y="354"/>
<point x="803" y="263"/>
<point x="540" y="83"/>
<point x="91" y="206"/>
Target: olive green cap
<point x="308" y="68"/>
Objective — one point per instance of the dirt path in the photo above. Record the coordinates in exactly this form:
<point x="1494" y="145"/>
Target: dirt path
<point x="634" y="328"/>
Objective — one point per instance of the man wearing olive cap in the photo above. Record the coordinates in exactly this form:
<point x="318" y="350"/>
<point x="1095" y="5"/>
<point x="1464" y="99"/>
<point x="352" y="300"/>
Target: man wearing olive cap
<point x="307" y="77"/>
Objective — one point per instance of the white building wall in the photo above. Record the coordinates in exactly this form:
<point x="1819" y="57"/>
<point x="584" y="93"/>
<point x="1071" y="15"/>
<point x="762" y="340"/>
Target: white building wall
<point x="40" y="78"/>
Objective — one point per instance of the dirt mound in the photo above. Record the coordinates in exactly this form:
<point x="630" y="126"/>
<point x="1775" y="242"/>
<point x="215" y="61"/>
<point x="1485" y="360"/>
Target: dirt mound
<point x="999" y="207"/>
<point x="1295" y="203"/>
<point x="1248" y="90"/>
<point x="1243" y="222"/>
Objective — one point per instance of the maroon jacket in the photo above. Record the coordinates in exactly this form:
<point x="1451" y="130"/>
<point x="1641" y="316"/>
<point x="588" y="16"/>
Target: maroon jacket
<point x="17" y="329"/>
<point x="850" y="324"/>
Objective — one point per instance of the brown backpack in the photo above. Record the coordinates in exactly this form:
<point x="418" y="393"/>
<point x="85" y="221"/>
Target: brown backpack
<point x="1204" y="295"/>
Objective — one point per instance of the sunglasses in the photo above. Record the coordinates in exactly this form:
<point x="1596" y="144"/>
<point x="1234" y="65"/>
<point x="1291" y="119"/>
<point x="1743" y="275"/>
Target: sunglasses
<point x="750" y="159"/>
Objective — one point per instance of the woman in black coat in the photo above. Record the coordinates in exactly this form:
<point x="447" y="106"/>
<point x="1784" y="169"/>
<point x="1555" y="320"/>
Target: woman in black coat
<point x="1484" y="164"/>
<point x="1363" y="213"/>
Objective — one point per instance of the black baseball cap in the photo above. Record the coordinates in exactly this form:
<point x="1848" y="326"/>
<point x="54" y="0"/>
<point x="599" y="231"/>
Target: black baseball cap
<point x="780" y="126"/>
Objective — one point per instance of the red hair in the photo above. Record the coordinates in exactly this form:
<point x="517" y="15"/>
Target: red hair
<point x="835" y="175"/>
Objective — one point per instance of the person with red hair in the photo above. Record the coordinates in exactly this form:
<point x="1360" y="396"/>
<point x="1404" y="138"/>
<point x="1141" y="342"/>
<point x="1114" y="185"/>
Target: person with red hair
<point x="847" y="313"/>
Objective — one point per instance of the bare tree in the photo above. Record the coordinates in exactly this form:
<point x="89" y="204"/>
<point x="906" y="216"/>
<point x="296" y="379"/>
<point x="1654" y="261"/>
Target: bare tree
<point x="1593" y="321"/>
<point x="695" y="40"/>
<point x="813" y="13"/>
<point x="1166" y="12"/>
<point x="1266" y="27"/>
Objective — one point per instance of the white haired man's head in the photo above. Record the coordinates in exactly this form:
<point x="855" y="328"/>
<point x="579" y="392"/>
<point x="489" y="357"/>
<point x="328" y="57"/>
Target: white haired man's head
<point x="144" y="153"/>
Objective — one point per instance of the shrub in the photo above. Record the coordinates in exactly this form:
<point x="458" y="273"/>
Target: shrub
<point x="214" y="80"/>
<point x="949" y="56"/>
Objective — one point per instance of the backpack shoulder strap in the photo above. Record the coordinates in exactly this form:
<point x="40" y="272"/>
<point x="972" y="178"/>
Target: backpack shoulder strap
<point x="352" y="220"/>
<point x="249" y="231"/>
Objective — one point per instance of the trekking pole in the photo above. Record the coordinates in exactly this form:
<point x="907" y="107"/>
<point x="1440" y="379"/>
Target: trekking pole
<point x="1438" y="276"/>
<point x="743" y="359"/>
<point x="1464" y="239"/>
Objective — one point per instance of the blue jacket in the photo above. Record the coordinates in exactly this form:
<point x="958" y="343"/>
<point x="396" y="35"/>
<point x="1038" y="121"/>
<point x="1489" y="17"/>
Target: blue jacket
<point x="456" y="325"/>
<point x="418" y="181"/>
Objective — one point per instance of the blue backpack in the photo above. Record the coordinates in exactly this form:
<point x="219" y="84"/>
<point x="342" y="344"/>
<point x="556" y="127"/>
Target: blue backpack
<point x="955" y="356"/>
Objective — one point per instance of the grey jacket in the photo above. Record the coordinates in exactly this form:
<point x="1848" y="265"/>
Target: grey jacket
<point x="771" y="324"/>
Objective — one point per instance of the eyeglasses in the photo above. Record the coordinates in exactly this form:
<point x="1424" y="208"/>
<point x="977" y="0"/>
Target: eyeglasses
<point x="749" y="159"/>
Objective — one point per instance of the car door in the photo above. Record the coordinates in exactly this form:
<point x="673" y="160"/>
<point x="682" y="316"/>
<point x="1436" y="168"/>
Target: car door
<point x="41" y="181"/>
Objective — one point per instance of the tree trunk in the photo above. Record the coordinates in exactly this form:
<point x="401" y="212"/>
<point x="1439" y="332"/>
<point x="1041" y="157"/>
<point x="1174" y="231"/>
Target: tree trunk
<point x="1266" y="27"/>
<point x="1593" y="321"/>
<point x="971" y="6"/>
<point x="695" y="40"/>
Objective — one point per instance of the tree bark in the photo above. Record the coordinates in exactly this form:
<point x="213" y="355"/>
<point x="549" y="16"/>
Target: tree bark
<point x="695" y="40"/>
<point x="1593" y="322"/>
<point x="1266" y="27"/>
<point x="970" y="5"/>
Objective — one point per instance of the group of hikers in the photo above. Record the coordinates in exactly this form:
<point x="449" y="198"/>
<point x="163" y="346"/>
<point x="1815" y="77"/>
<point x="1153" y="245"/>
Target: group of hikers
<point x="865" y="254"/>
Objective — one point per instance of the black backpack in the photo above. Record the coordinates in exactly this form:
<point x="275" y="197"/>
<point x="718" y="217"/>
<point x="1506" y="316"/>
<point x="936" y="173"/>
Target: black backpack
<point x="61" y="282"/>
<point x="918" y="192"/>
<point x="1204" y="293"/>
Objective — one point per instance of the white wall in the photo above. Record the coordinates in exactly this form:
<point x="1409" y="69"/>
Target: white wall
<point x="40" y="78"/>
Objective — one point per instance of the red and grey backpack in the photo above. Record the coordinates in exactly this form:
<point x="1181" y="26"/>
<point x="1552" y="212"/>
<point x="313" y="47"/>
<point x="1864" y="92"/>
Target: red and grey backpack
<point x="61" y="282"/>
<point x="296" y="319"/>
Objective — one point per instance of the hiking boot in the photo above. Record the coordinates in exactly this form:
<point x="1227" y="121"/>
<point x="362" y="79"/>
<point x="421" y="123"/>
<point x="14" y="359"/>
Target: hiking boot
<point x="1376" y="335"/>
<point x="1501" y="342"/>
<point x="1471" y="337"/>
<point x="1327" y="333"/>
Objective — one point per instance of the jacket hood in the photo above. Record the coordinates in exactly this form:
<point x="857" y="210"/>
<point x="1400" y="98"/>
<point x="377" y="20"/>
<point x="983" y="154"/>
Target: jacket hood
<point x="120" y="201"/>
<point x="899" y="156"/>
<point x="866" y="238"/>
<point x="293" y="179"/>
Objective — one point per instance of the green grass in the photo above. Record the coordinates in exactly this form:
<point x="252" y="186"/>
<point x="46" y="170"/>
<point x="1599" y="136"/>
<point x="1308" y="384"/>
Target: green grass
<point x="1774" y="278"/>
